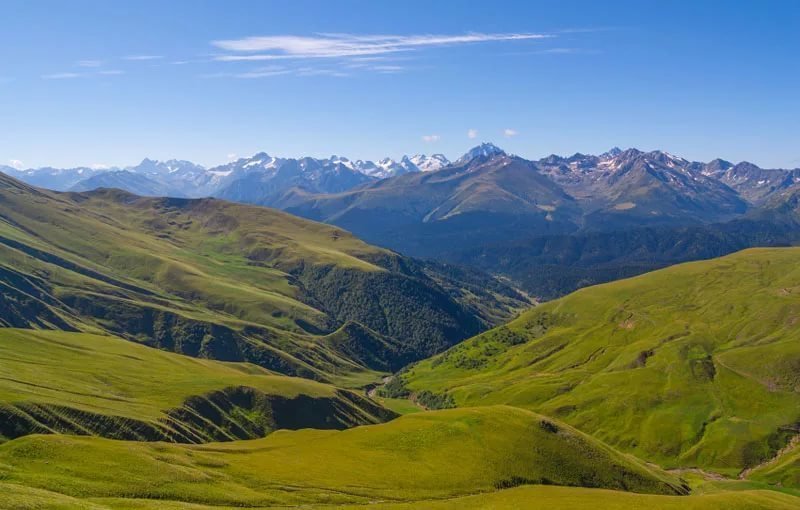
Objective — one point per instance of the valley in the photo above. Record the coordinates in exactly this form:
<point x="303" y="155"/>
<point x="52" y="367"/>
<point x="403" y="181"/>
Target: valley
<point x="357" y="255"/>
<point x="233" y="355"/>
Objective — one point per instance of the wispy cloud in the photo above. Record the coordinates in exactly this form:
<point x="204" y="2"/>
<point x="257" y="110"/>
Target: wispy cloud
<point x="232" y="156"/>
<point x="472" y="134"/>
<point x="111" y="72"/>
<point x="143" y="57"/>
<point x="275" y="70"/>
<point x="262" y="73"/>
<point x="348" y="45"/>
<point x="99" y="166"/>
<point x="89" y="63"/>
<point x="431" y="138"/>
<point x="61" y="76"/>
<point x="510" y="133"/>
<point x="16" y="164"/>
<point x="388" y="69"/>
<point x="310" y="71"/>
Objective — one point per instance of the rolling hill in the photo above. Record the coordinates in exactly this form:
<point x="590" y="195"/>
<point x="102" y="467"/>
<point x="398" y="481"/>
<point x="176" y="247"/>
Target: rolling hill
<point x="690" y="366"/>
<point x="219" y="280"/>
<point x="77" y="383"/>
<point x="417" y="457"/>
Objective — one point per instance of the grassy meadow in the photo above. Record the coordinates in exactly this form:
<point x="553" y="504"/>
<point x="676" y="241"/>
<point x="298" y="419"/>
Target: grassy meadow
<point x="691" y="366"/>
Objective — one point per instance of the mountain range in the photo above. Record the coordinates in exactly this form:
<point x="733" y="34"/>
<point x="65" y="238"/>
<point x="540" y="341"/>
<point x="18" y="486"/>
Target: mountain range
<point x="533" y="221"/>
<point x="185" y="179"/>
<point x="643" y="187"/>
<point x="609" y="180"/>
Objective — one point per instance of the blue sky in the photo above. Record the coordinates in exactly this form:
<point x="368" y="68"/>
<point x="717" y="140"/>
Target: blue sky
<point x="108" y="83"/>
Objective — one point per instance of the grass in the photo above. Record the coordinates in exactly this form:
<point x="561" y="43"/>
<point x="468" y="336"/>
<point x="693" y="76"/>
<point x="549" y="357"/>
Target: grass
<point x="694" y="365"/>
<point x="440" y="454"/>
<point x="113" y="379"/>
<point x="108" y="375"/>
<point x="532" y="497"/>
<point x="215" y="279"/>
<point x="399" y="405"/>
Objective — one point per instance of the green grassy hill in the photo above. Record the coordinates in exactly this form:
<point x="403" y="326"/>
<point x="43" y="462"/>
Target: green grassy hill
<point x="52" y="381"/>
<point x="218" y="280"/>
<point x="424" y="456"/>
<point x="539" y="497"/>
<point x="694" y="365"/>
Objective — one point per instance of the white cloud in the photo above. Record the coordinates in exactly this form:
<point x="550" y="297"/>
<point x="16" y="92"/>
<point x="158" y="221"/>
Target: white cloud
<point x="111" y="72"/>
<point x="264" y="72"/>
<point x="388" y="69"/>
<point x="310" y="71"/>
<point x="472" y="134"/>
<point x="60" y="76"/>
<point x="232" y="156"/>
<point x="347" y="45"/>
<point x="431" y="138"/>
<point x="16" y="164"/>
<point x="99" y="166"/>
<point x="142" y="57"/>
<point x="90" y="63"/>
<point x="509" y="133"/>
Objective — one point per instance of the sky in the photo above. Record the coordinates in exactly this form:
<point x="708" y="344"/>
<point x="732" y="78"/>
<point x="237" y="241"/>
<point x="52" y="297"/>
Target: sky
<point x="94" y="83"/>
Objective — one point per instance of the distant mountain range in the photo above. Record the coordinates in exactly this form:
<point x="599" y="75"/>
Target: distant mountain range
<point x="256" y="179"/>
<point x="538" y="222"/>
<point x="648" y="187"/>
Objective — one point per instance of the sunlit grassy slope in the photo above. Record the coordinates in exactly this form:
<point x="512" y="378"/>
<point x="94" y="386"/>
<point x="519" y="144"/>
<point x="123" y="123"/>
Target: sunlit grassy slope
<point x="415" y="457"/>
<point x="528" y="497"/>
<point x="219" y="280"/>
<point x="53" y="381"/>
<point x="694" y="365"/>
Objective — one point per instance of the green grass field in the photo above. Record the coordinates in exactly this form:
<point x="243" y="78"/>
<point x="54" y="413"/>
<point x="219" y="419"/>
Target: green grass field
<point x="528" y="497"/>
<point x="694" y="365"/>
<point x="85" y="383"/>
<point x="440" y="454"/>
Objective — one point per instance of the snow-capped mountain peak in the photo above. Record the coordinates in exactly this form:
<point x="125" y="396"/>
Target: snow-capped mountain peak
<point x="485" y="150"/>
<point x="427" y="163"/>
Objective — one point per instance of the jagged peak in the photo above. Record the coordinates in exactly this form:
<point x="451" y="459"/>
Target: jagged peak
<point x="484" y="150"/>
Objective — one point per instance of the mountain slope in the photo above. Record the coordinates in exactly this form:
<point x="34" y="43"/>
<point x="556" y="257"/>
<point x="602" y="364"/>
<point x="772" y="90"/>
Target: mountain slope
<point x="552" y="266"/>
<point x="214" y="279"/>
<point x="694" y="365"/>
<point x="75" y="383"/>
<point x="404" y="460"/>
<point x="625" y="188"/>
<point x="489" y="197"/>
<point x="484" y="197"/>
<point x="129" y="181"/>
<point x="263" y="179"/>
<point x="754" y="184"/>
<point x="59" y="179"/>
